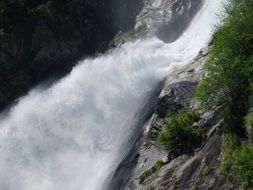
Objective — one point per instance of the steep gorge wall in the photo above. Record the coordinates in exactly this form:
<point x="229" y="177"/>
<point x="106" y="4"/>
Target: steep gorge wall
<point x="198" y="171"/>
<point x="178" y="89"/>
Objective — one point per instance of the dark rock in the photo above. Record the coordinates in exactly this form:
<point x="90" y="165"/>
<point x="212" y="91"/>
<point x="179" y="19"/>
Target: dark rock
<point x="182" y="13"/>
<point x="175" y="98"/>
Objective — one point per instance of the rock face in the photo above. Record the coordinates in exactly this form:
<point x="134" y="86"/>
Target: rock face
<point x="176" y="96"/>
<point x="122" y="174"/>
<point x="197" y="172"/>
<point x="168" y="18"/>
<point x="177" y="93"/>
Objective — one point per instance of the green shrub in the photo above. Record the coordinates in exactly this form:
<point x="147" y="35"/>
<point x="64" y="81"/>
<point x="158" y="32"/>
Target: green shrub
<point x="207" y="169"/>
<point x="227" y="85"/>
<point x="180" y="134"/>
<point x="230" y="66"/>
<point x="156" y="167"/>
<point x="249" y="120"/>
<point x="231" y="143"/>
<point x="244" y="166"/>
<point x="237" y="159"/>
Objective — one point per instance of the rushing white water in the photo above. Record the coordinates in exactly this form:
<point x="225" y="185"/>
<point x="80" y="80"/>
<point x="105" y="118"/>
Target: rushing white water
<point x="70" y="136"/>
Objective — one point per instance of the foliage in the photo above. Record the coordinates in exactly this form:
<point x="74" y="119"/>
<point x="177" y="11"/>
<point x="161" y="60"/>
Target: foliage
<point x="156" y="167"/>
<point x="227" y="85"/>
<point x="132" y="31"/>
<point x="244" y="166"/>
<point x="231" y="143"/>
<point x="249" y="120"/>
<point x="207" y="169"/>
<point x="151" y="187"/>
<point x="251" y="95"/>
<point x="180" y="134"/>
<point x="237" y="158"/>
<point x="85" y="18"/>
<point x="129" y="33"/>
<point x="230" y="67"/>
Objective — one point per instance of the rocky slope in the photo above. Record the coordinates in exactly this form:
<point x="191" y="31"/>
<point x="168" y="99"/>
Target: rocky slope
<point x="224" y="160"/>
<point x="198" y="171"/>
<point x="176" y="96"/>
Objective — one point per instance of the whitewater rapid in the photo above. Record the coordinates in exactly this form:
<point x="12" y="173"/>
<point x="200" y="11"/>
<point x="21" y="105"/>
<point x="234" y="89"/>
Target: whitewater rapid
<point x="72" y="135"/>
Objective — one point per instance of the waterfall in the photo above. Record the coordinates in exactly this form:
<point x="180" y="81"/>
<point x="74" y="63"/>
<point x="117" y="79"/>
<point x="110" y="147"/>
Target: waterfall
<point x="73" y="135"/>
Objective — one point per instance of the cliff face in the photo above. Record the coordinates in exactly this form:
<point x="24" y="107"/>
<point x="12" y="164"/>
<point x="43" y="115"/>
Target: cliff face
<point x="166" y="19"/>
<point x="200" y="170"/>
<point x="176" y="96"/>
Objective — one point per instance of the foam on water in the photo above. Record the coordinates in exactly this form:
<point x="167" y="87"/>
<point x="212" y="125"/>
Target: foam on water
<point x="70" y="136"/>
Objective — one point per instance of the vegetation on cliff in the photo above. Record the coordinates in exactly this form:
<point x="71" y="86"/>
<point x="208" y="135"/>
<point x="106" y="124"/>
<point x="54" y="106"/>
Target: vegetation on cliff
<point x="237" y="158"/>
<point x="227" y="85"/>
<point x="156" y="167"/>
<point x="181" y="134"/>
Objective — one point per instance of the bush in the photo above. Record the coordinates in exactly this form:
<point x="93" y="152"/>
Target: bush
<point x="244" y="166"/>
<point x="156" y="167"/>
<point x="231" y="143"/>
<point x="227" y="85"/>
<point x="230" y="66"/>
<point x="249" y="120"/>
<point x="180" y="134"/>
<point x="237" y="159"/>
